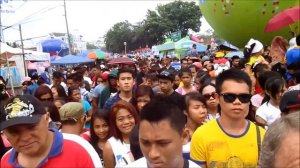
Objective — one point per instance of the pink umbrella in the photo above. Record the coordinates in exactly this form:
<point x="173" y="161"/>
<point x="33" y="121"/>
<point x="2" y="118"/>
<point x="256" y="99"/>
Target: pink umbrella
<point x="283" y="19"/>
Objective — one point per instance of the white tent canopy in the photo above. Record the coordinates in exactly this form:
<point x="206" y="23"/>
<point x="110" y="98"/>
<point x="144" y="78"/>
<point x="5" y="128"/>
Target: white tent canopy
<point x="33" y="56"/>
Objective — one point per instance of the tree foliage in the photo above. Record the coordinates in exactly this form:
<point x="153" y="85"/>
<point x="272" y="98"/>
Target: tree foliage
<point x="172" y="17"/>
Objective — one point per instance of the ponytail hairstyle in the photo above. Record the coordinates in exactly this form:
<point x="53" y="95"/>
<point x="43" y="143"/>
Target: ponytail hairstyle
<point x="273" y="86"/>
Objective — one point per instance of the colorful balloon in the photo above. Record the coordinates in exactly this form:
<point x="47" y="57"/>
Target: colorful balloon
<point x="239" y="20"/>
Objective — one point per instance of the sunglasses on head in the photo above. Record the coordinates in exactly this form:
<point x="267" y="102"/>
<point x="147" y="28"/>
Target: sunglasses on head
<point x="230" y="97"/>
<point x="207" y="96"/>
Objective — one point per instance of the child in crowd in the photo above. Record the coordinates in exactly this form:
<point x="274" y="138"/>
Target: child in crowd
<point x="186" y="76"/>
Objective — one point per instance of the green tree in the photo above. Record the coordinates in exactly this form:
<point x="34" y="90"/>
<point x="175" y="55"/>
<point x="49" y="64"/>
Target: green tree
<point x="116" y="36"/>
<point x="90" y="46"/>
<point x="172" y="17"/>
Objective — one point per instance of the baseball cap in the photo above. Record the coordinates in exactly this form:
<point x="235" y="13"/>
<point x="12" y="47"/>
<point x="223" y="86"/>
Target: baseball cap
<point x="113" y="73"/>
<point x="104" y="75"/>
<point x="166" y="74"/>
<point x="290" y="100"/>
<point x="220" y="54"/>
<point x="71" y="111"/>
<point x="22" y="109"/>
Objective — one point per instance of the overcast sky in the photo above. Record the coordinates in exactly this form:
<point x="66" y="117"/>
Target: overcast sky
<point x="91" y="18"/>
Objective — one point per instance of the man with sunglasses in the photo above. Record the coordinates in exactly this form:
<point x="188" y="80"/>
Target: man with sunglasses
<point x="231" y="140"/>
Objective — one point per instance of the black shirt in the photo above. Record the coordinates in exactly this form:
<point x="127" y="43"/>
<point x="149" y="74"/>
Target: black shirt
<point x="178" y="99"/>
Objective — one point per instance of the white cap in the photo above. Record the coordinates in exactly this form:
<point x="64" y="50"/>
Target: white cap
<point x="258" y="45"/>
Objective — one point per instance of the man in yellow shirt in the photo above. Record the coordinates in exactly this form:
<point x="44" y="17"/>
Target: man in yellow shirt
<point x="231" y="140"/>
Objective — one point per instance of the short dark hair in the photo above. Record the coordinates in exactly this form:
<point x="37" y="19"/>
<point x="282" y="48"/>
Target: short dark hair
<point x="142" y="63"/>
<point x="234" y="57"/>
<point x="57" y="74"/>
<point x="235" y="75"/>
<point x="163" y="108"/>
<point x="71" y="89"/>
<point x="77" y="77"/>
<point x="125" y="70"/>
<point x="185" y="70"/>
<point x="152" y="76"/>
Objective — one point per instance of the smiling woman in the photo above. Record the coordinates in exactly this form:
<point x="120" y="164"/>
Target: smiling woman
<point x="123" y="117"/>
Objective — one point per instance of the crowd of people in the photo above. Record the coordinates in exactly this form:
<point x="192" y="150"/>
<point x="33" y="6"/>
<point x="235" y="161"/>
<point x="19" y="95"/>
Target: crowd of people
<point x="210" y="111"/>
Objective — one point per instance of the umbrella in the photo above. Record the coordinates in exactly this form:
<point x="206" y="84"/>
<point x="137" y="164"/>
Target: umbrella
<point x="71" y="59"/>
<point x="55" y="46"/>
<point x="284" y="18"/>
<point x="97" y="54"/>
<point x="233" y="53"/>
<point x="121" y="60"/>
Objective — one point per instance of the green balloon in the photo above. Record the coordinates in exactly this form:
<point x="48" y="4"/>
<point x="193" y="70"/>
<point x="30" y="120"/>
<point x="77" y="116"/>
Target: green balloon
<point x="237" y="21"/>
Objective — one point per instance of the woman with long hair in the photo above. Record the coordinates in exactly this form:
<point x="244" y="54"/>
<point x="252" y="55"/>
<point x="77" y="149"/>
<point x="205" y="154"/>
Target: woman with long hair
<point x="99" y="131"/>
<point x="269" y="111"/>
<point x="58" y="91"/>
<point x="196" y="112"/>
<point x="123" y="117"/>
<point x="43" y="93"/>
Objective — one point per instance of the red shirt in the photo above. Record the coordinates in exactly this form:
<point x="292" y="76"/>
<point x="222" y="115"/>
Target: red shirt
<point x="67" y="150"/>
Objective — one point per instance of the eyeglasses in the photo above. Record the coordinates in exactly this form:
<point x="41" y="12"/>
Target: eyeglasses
<point x="207" y="96"/>
<point x="230" y="97"/>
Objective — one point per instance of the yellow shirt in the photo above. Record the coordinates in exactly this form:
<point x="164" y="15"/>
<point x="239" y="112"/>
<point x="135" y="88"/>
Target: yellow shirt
<point x="212" y="146"/>
<point x="254" y="59"/>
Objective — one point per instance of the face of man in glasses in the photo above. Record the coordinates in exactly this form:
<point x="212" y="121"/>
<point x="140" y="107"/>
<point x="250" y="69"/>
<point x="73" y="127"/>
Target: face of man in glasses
<point x="235" y="110"/>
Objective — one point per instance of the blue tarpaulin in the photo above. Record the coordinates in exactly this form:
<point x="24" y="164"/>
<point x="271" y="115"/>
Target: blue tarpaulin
<point x="71" y="59"/>
<point x="54" y="46"/>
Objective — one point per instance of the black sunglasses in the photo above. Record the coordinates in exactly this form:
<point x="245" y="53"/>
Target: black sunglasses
<point x="230" y="97"/>
<point x="209" y="95"/>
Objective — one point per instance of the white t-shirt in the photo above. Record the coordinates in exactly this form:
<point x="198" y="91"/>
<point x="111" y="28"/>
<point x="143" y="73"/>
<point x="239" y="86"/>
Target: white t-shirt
<point x="121" y="152"/>
<point x="142" y="163"/>
<point x="268" y="112"/>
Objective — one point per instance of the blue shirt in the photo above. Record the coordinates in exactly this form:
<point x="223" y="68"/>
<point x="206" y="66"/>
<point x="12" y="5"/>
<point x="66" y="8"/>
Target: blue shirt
<point x="108" y="104"/>
<point x="86" y="107"/>
<point x="293" y="55"/>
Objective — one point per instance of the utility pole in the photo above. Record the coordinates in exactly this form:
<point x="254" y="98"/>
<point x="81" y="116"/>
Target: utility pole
<point x="69" y="39"/>
<point x="21" y="38"/>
